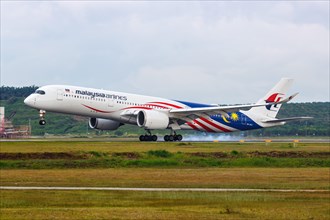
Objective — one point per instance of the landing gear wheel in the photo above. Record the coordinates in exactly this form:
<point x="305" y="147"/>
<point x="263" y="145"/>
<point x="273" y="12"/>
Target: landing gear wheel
<point x="173" y="137"/>
<point x="42" y="114"/>
<point x="148" y="137"/>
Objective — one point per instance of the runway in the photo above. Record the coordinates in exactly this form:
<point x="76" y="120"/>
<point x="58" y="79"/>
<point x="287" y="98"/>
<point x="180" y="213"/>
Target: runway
<point x="157" y="189"/>
<point x="187" y="140"/>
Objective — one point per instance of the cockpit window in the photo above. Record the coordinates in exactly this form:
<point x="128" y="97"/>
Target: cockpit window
<point x="41" y="92"/>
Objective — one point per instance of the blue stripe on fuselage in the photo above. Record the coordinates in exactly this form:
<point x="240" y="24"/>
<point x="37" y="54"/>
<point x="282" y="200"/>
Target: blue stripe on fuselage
<point x="194" y="105"/>
<point x="242" y="123"/>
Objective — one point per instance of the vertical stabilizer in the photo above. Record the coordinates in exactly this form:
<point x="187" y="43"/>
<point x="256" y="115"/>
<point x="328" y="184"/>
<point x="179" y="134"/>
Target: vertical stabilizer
<point x="276" y="94"/>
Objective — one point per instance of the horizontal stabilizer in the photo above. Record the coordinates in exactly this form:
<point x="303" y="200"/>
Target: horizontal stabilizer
<point x="286" y="119"/>
<point x="289" y="98"/>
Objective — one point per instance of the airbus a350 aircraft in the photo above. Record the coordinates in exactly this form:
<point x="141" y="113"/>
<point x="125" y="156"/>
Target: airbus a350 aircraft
<point x="108" y="110"/>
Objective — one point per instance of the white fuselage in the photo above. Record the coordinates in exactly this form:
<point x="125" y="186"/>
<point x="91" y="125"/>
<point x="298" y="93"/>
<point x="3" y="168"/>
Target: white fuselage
<point x="96" y="103"/>
<point x="124" y="108"/>
<point x="108" y="110"/>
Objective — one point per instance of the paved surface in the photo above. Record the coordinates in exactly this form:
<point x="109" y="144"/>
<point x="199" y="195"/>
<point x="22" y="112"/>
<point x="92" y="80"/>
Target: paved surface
<point x="160" y="139"/>
<point x="158" y="189"/>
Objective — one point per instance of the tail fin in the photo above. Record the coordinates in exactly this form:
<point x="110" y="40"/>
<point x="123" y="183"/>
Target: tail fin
<point x="276" y="94"/>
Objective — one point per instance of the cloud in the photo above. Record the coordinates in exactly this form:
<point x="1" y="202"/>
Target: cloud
<point x="218" y="52"/>
<point x="178" y="80"/>
<point x="298" y="51"/>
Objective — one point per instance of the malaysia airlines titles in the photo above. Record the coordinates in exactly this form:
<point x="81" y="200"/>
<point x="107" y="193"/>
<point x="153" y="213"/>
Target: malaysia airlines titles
<point x="101" y="95"/>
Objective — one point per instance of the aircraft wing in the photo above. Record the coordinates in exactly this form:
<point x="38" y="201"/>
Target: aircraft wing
<point x="286" y="119"/>
<point x="223" y="110"/>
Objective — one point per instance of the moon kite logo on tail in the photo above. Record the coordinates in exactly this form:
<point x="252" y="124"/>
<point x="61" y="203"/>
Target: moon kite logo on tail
<point x="276" y="97"/>
<point x="233" y="117"/>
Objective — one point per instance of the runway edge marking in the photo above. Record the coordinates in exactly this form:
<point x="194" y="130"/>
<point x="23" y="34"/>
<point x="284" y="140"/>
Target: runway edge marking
<point x="157" y="189"/>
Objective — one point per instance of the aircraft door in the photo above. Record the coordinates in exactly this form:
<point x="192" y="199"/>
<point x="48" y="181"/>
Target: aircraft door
<point x="60" y="94"/>
<point x="111" y="103"/>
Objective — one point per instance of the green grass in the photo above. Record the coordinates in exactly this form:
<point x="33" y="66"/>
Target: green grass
<point x="158" y="158"/>
<point x="162" y="205"/>
<point x="149" y="162"/>
<point x="195" y="165"/>
<point x="104" y="146"/>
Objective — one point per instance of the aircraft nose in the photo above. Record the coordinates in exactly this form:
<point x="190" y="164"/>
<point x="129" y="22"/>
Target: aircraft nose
<point x="28" y="101"/>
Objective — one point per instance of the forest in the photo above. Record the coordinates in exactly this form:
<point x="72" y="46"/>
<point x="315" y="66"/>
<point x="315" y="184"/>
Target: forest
<point x="59" y="124"/>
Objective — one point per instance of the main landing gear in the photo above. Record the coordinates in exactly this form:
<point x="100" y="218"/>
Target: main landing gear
<point x="173" y="137"/>
<point x="148" y="137"/>
<point x="42" y="120"/>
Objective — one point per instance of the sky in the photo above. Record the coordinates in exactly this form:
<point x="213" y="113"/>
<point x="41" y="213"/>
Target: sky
<point x="202" y="51"/>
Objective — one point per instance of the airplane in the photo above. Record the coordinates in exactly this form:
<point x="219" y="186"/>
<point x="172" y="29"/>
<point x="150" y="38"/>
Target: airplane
<point x="108" y="110"/>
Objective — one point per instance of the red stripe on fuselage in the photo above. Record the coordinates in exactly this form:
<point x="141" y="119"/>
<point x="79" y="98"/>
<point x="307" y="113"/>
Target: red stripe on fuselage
<point x="164" y="103"/>
<point x="204" y="126"/>
<point x="159" y="106"/>
<point x="215" y="125"/>
<point x="97" y="110"/>
<point x="138" y="107"/>
<point x="192" y="126"/>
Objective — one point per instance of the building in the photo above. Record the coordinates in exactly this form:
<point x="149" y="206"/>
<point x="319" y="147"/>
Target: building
<point x="8" y="130"/>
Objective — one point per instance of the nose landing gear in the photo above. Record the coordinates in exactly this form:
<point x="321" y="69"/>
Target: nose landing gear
<point x="42" y="120"/>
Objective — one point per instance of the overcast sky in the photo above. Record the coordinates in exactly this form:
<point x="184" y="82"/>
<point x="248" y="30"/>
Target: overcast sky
<point x="212" y="52"/>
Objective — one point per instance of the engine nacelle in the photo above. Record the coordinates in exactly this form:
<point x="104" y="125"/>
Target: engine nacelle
<point x="104" y="124"/>
<point x="152" y="120"/>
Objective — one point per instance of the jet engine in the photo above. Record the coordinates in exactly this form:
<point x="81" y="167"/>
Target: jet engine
<point x="104" y="124"/>
<point x="152" y="120"/>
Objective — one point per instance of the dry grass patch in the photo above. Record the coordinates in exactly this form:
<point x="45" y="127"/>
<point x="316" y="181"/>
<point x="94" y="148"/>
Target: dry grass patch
<point x="281" y="178"/>
<point x="162" y="205"/>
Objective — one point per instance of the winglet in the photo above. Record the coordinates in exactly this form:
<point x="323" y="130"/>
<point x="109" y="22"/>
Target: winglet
<point x="285" y="100"/>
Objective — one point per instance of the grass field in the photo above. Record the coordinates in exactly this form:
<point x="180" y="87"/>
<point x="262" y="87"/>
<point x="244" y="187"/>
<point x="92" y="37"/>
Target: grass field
<point x="162" y="205"/>
<point x="64" y="155"/>
<point x="262" y="178"/>
<point x="274" y="166"/>
<point x="67" y="146"/>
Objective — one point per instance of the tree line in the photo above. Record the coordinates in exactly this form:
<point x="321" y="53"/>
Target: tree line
<point x="12" y="98"/>
<point x="7" y="92"/>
